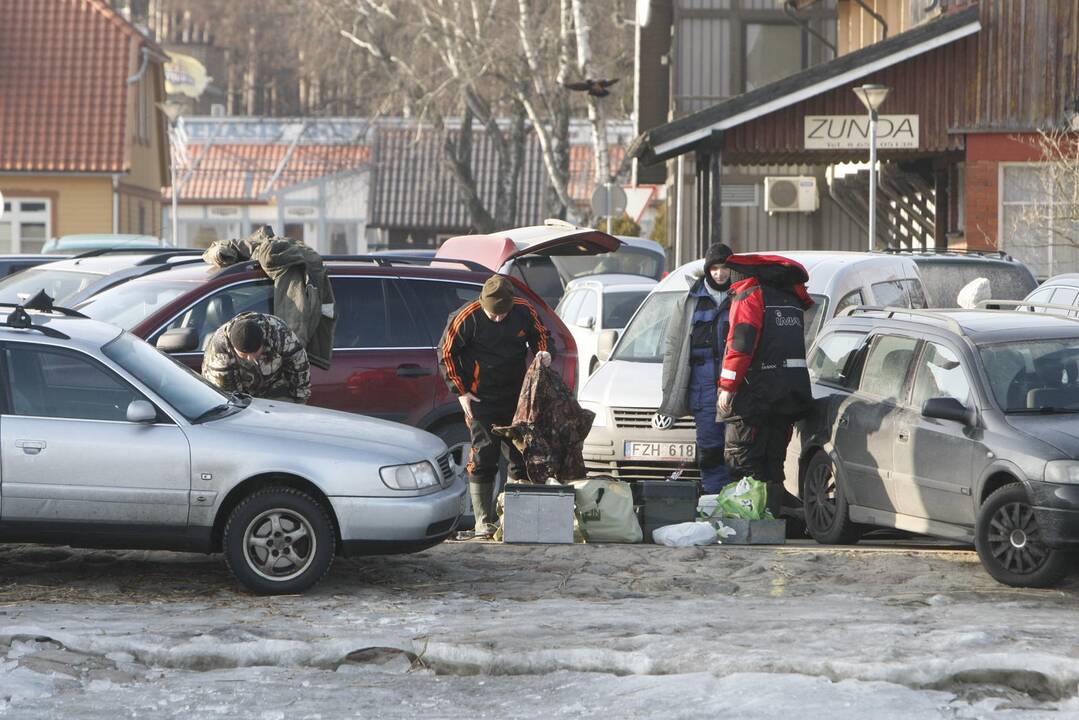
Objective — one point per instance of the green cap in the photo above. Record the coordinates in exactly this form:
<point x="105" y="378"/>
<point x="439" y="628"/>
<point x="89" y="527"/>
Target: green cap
<point x="497" y="295"/>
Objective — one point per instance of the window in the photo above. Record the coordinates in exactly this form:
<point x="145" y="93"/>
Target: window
<point x="618" y="307"/>
<point x="915" y="295"/>
<point x="1042" y="297"/>
<point x="816" y="311"/>
<point x="889" y="294"/>
<point x="830" y="356"/>
<point x="213" y="311"/>
<point x="773" y="51"/>
<point x="1038" y="217"/>
<point x="59" y="284"/>
<point x="540" y="274"/>
<point x="25" y="225"/>
<point x="436" y="301"/>
<point x="939" y="374"/>
<point x="886" y="367"/>
<point x="60" y="384"/>
<point x="589" y="307"/>
<point x="1063" y="296"/>
<point x="643" y="340"/>
<point x="626" y="260"/>
<point x="852" y="299"/>
<point x="371" y="314"/>
<point x="570" y="305"/>
<point x="128" y="304"/>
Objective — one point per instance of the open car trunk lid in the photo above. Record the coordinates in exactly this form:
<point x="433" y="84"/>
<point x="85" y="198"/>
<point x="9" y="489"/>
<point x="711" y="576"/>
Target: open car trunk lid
<point x="495" y="250"/>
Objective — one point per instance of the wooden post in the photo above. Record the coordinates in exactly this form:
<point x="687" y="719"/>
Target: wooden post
<point x="715" y="233"/>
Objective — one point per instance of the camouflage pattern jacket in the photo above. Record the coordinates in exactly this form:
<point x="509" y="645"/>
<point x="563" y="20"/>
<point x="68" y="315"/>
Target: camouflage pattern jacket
<point x="549" y="427"/>
<point x="282" y="372"/>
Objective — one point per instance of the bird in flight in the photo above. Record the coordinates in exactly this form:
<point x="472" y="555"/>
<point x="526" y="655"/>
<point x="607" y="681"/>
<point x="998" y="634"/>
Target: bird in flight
<point x="595" y="88"/>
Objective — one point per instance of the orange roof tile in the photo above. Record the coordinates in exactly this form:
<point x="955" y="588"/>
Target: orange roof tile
<point x="64" y="66"/>
<point x="240" y="172"/>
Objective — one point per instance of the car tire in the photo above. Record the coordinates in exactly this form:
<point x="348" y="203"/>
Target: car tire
<point x="827" y="515"/>
<point x="279" y="541"/>
<point x="1009" y="542"/>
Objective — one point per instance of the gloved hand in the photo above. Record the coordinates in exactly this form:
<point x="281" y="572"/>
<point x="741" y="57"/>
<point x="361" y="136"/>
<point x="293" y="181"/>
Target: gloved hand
<point x="544" y="357"/>
<point x="725" y="403"/>
<point x="466" y="401"/>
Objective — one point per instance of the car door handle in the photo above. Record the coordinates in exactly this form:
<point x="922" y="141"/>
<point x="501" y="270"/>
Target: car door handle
<point x="30" y="447"/>
<point x="413" y="370"/>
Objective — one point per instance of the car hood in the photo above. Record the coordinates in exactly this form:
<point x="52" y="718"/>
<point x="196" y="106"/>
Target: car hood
<point x="1060" y="431"/>
<point x="625" y="384"/>
<point x="282" y="422"/>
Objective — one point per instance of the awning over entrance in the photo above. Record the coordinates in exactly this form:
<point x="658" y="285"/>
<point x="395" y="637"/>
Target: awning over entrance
<point x="925" y="83"/>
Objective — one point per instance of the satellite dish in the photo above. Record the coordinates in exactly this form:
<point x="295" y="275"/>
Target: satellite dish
<point x="644" y="12"/>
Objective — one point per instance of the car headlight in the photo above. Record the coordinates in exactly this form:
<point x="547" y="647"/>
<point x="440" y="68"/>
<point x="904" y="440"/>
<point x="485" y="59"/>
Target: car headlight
<point x="416" y="476"/>
<point x="1065" y="472"/>
<point x="599" y="410"/>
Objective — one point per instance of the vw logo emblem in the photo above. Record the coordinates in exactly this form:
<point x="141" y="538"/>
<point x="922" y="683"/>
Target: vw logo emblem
<point x="662" y="422"/>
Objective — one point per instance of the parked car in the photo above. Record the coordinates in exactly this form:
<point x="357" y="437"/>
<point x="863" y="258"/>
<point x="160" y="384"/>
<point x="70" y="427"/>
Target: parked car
<point x="944" y="274"/>
<point x="596" y="303"/>
<point x="391" y="314"/>
<point x="69" y="282"/>
<point x="100" y="241"/>
<point x="1061" y="291"/>
<point x="106" y="442"/>
<point x="625" y="391"/>
<point x="546" y="257"/>
<point x="954" y="423"/>
<point x="11" y="264"/>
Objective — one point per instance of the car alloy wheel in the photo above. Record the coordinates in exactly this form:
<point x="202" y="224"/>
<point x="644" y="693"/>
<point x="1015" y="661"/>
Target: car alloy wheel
<point x="1010" y="541"/>
<point x="820" y="496"/>
<point x="279" y="544"/>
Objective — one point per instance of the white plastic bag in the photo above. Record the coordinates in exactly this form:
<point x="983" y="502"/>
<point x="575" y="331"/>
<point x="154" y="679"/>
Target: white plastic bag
<point x="685" y="534"/>
<point x="707" y="505"/>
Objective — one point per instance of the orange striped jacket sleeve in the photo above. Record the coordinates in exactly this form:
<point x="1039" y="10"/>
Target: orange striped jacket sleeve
<point x="451" y="348"/>
<point x="538" y="336"/>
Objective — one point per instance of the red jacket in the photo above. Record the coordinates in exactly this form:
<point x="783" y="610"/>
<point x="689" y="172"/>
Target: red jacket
<point x="771" y="278"/>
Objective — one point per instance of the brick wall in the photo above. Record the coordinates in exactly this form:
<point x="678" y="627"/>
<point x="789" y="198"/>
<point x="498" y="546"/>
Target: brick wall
<point x="985" y="152"/>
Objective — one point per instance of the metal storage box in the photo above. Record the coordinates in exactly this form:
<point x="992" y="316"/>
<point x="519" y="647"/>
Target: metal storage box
<point x="755" y="532"/>
<point x="537" y="514"/>
<point x="664" y="502"/>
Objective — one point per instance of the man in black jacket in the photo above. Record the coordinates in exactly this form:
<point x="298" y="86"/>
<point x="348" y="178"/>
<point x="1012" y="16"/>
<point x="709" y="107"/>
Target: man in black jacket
<point x="483" y="357"/>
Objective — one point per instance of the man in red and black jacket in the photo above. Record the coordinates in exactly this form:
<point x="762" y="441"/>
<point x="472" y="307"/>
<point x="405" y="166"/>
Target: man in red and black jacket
<point x="764" y="384"/>
<point x="483" y="357"/>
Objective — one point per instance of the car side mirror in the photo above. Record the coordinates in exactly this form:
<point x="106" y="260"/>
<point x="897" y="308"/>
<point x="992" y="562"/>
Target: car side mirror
<point x="141" y="411"/>
<point x="587" y="323"/>
<point x="178" y="340"/>
<point x="605" y="344"/>
<point x="948" y="408"/>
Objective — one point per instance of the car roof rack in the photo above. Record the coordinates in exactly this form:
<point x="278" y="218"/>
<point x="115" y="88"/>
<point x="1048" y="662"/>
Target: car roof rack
<point x="19" y="319"/>
<point x="1013" y="305"/>
<point x="97" y="252"/>
<point x="891" y="312"/>
<point x="999" y="254"/>
<point x="379" y="260"/>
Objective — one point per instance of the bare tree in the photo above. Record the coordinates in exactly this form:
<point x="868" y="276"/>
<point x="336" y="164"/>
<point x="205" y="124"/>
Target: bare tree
<point x="1042" y="215"/>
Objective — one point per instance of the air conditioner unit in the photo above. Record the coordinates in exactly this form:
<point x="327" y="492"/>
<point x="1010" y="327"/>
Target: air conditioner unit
<point x="790" y="194"/>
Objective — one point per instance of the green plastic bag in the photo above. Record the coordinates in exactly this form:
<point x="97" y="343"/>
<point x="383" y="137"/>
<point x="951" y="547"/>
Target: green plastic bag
<point x="745" y="499"/>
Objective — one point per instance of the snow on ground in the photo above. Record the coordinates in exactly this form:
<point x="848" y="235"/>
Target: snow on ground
<point x="477" y="630"/>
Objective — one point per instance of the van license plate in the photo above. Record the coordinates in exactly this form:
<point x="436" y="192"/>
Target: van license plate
<point x="660" y="450"/>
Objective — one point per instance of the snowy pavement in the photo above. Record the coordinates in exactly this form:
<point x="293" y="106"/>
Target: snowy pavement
<point x="473" y="630"/>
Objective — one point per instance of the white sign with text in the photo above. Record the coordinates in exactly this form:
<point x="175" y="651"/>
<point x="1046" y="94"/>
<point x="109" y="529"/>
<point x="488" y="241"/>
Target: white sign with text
<point x="846" y="132"/>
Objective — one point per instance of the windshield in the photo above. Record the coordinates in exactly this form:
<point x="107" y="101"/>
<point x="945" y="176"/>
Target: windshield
<point x="181" y="388"/>
<point x="1034" y="376"/>
<point x="618" y="307"/>
<point x="643" y="339"/>
<point x="944" y="280"/>
<point x="129" y="304"/>
<point x="59" y="284"/>
<point x="624" y="261"/>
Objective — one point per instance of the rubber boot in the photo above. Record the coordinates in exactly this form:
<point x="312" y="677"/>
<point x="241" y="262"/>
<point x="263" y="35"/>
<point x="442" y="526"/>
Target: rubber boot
<point x="774" y="503"/>
<point x="483" y="507"/>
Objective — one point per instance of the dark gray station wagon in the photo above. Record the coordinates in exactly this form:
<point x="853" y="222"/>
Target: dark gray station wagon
<point x="961" y="424"/>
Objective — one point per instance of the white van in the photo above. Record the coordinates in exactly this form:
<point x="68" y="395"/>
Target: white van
<point x="626" y="390"/>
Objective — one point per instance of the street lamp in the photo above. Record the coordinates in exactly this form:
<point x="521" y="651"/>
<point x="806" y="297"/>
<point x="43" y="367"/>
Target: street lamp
<point x="872" y="96"/>
<point x="172" y="111"/>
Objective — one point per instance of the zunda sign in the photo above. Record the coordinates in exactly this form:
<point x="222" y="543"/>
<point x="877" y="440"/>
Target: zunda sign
<point x="847" y="132"/>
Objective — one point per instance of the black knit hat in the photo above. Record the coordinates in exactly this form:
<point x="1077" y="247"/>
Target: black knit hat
<point x="717" y="255"/>
<point x="246" y="335"/>
<point x="497" y="295"/>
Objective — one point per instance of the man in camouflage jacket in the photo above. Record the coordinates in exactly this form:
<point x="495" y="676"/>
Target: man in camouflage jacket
<point x="259" y="355"/>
